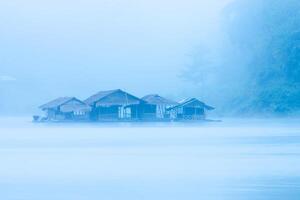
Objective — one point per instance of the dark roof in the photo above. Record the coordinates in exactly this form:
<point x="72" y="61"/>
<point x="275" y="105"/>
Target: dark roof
<point x="158" y="100"/>
<point x="62" y="102"/>
<point x="192" y="100"/>
<point x="98" y="96"/>
<point x="56" y="102"/>
<point x="113" y="97"/>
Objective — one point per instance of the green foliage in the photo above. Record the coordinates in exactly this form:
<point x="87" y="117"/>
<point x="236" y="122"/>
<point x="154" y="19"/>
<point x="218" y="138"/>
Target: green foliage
<point x="264" y="38"/>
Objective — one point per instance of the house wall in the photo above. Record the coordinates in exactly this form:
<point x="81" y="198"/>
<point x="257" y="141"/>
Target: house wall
<point x="55" y="115"/>
<point x="111" y="112"/>
<point x="193" y="113"/>
<point x="51" y="113"/>
<point x="79" y="115"/>
<point x="187" y="113"/>
<point x="143" y="111"/>
<point x="160" y="111"/>
<point x="61" y="116"/>
<point x="135" y="112"/>
<point x="148" y="111"/>
<point x="139" y="111"/>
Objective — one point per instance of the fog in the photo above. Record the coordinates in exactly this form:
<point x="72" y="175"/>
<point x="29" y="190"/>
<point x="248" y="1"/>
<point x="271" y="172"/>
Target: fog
<point x="240" y="56"/>
<point x="235" y="159"/>
<point x="76" y="48"/>
<point x="253" y="67"/>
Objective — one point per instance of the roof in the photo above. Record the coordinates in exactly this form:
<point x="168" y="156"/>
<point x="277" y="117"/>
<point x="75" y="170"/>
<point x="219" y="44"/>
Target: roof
<point x="158" y="100"/>
<point x="56" y="102"/>
<point x="62" y="102"/>
<point x="98" y="96"/>
<point x="196" y="102"/>
<point x="113" y="97"/>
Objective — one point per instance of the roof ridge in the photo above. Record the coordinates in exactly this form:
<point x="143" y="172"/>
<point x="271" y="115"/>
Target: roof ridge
<point x="58" y="101"/>
<point x="103" y="94"/>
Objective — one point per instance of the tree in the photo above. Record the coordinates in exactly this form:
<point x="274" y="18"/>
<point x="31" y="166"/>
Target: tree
<point x="263" y="51"/>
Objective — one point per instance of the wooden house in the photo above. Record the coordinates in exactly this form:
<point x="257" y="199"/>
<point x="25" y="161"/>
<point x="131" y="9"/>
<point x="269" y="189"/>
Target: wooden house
<point x="189" y="109"/>
<point x="161" y="104"/>
<point x="66" y="108"/>
<point x="118" y="105"/>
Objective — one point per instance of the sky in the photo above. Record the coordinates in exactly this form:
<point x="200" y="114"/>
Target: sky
<point x="77" y="48"/>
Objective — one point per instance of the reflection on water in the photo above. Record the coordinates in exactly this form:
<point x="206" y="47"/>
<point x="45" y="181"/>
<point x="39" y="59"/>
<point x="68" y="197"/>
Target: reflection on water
<point x="235" y="159"/>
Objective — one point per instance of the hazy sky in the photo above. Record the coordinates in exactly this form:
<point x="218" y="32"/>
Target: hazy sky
<point x="57" y="48"/>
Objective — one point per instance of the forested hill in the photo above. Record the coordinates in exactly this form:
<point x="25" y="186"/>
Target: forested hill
<point x="256" y="66"/>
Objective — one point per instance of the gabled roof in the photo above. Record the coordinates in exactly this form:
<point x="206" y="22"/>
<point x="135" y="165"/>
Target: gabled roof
<point x="158" y="100"/>
<point x="56" y="102"/>
<point x="96" y="97"/>
<point x="65" y="107"/>
<point x="194" y="101"/>
<point x="113" y="97"/>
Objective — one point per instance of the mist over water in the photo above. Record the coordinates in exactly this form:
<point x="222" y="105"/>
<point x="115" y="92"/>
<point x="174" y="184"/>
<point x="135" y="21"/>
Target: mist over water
<point x="54" y="48"/>
<point x="239" y="56"/>
<point x="235" y="159"/>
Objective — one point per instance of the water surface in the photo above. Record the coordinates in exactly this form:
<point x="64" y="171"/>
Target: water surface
<point x="234" y="159"/>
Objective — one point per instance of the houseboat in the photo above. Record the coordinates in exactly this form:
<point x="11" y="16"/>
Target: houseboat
<point x="66" y="109"/>
<point x="161" y="104"/>
<point x="189" y="109"/>
<point x="118" y="105"/>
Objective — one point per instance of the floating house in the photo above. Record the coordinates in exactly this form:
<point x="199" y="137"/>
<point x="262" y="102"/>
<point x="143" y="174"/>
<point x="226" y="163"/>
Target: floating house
<point x="118" y="105"/>
<point x="66" y="108"/>
<point x="189" y="109"/>
<point x="161" y="104"/>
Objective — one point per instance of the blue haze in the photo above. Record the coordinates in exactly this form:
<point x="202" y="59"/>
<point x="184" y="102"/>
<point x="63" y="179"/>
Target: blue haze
<point x="175" y="48"/>
<point x="236" y="159"/>
<point x="254" y="68"/>
<point x="65" y="48"/>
